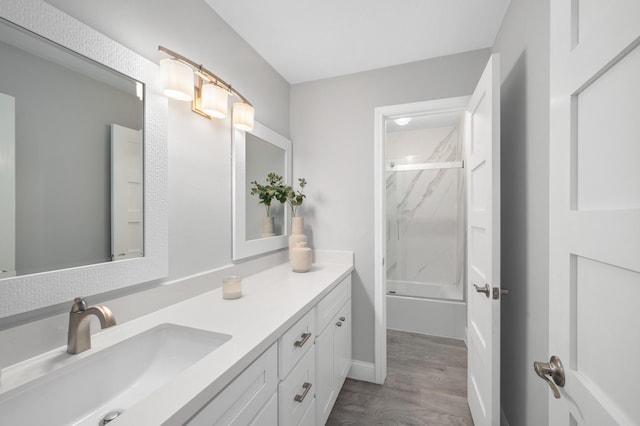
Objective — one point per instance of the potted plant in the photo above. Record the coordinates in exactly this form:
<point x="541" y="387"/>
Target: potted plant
<point x="295" y="198"/>
<point x="266" y="193"/>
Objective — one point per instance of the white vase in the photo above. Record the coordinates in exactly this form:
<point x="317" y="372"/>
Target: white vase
<point x="301" y="257"/>
<point x="297" y="234"/>
<point x="267" y="227"/>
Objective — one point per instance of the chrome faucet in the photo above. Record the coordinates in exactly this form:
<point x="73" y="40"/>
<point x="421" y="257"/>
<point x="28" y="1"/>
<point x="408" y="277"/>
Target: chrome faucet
<point x="79" y="337"/>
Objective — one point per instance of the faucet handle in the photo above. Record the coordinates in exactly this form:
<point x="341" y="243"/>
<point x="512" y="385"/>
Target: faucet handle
<point x="79" y="305"/>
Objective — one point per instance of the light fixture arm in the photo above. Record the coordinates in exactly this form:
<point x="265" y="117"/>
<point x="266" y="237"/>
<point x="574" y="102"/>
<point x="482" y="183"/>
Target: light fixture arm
<point x="205" y="73"/>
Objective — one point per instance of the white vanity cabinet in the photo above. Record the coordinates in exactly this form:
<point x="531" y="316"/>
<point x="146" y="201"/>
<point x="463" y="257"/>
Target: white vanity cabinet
<point x="324" y="364"/>
<point x="297" y="380"/>
<point x="332" y="347"/>
<point x="251" y="398"/>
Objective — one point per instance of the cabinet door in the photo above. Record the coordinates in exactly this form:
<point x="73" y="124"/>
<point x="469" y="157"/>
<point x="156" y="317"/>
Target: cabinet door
<point x="342" y="346"/>
<point x="325" y="376"/>
<point x="333" y="361"/>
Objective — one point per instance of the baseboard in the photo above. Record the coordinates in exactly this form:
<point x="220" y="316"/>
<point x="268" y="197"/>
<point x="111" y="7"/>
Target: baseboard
<point x="503" y="418"/>
<point x="364" y="371"/>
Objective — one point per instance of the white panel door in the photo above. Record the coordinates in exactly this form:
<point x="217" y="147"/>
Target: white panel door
<point x="594" y="325"/>
<point x="126" y="193"/>
<point x="482" y="142"/>
<point x="7" y="186"/>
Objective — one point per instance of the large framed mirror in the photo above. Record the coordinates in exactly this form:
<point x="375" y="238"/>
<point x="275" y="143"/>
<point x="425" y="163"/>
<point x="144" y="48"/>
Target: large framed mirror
<point x="256" y="228"/>
<point x="83" y="162"/>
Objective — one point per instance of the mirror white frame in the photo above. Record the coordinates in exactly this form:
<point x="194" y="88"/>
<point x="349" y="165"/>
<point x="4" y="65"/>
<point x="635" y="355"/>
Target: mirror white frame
<point x="243" y="248"/>
<point x="30" y="292"/>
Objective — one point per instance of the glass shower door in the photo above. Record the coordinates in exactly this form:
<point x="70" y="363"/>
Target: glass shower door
<point x="425" y="196"/>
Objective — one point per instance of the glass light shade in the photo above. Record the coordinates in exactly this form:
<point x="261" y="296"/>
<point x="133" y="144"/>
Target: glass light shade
<point x="242" y="116"/>
<point x="215" y="100"/>
<point x="176" y="79"/>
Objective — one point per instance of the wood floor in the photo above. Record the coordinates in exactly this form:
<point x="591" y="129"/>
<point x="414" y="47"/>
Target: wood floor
<point x="426" y="385"/>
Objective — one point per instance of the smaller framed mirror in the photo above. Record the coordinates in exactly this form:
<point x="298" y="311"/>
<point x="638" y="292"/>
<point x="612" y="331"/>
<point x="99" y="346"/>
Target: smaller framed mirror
<point x="256" y="229"/>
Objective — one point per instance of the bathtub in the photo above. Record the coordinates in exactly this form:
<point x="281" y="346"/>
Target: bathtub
<point x="426" y="308"/>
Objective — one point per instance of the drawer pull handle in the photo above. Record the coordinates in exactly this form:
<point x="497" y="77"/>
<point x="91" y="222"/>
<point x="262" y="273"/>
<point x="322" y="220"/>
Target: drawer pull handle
<point x="339" y="324"/>
<point x="343" y="319"/>
<point x="299" y="398"/>
<point x="300" y="343"/>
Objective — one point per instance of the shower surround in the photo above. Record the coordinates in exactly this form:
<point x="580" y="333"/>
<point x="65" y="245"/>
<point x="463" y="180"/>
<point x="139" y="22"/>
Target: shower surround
<point x="425" y="213"/>
<point x="425" y="189"/>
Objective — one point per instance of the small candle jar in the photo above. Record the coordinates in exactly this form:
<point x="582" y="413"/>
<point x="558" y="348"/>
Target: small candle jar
<point x="232" y="287"/>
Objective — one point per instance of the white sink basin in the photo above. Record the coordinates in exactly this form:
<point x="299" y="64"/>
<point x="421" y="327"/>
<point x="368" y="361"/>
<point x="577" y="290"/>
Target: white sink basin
<point x="113" y="379"/>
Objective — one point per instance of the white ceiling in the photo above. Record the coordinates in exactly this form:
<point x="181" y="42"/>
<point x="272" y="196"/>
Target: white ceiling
<point x="305" y="40"/>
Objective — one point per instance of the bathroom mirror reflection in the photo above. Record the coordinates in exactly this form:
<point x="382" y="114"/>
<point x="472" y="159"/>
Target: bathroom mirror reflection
<point x="262" y="158"/>
<point x="256" y="154"/>
<point x="34" y="291"/>
<point x="71" y="158"/>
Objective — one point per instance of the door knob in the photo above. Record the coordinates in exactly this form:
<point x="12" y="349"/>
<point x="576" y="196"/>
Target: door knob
<point x="552" y="369"/>
<point x="498" y="291"/>
<point x="486" y="289"/>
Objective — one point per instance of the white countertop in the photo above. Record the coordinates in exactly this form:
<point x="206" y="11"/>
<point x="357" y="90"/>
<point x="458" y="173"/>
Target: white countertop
<point x="273" y="300"/>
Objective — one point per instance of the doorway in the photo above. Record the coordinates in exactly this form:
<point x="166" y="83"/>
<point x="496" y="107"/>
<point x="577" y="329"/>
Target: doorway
<point x="420" y="221"/>
<point x="482" y="147"/>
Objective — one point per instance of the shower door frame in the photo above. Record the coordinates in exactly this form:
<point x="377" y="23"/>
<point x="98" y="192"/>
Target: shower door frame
<point x="438" y="106"/>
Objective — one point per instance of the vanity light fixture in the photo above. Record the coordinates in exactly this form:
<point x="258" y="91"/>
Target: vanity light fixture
<point x="214" y="100"/>
<point x="242" y="116"/>
<point x="208" y="92"/>
<point x="176" y="79"/>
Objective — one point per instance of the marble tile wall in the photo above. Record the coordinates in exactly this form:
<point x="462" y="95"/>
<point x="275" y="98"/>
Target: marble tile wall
<point x="425" y="213"/>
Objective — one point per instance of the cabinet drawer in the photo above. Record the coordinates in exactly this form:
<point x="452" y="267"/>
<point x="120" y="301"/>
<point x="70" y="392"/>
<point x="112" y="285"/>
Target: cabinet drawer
<point x="331" y="303"/>
<point x="295" y="343"/>
<point x="245" y="396"/>
<point x="296" y="392"/>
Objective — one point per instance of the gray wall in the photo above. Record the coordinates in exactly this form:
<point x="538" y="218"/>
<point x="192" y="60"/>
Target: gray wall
<point x="523" y="43"/>
<point x="199" y="149"/>
<point x="63" y="195"/>
<point x="332" y="128"/>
